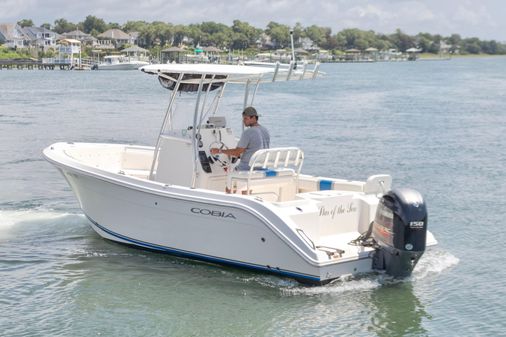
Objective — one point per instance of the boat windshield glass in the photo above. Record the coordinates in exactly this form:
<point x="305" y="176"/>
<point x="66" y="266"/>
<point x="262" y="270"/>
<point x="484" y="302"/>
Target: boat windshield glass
<point x="181" y="118"/>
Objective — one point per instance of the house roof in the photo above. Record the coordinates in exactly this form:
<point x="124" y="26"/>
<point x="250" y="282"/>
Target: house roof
<point x="114" y="34"/>
<point x="173" y="50"/>
<point x="32" y="32"/>
<point x="76" y="33"/>
<point x="12" y="31"/>
<point x="79" y="35"/>
<point x="135" y="49"/>
<point x="211" y="49"/>
<point x="69" y="41"/>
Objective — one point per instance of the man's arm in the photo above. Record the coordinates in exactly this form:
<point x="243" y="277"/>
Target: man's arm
<point x="229" y="152"/>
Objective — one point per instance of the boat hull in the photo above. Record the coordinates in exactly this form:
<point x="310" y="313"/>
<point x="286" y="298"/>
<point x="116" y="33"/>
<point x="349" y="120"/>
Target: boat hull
<point x="217" y="231"/>
<point x="199" y="224"/>
<point x="122" y="66"/>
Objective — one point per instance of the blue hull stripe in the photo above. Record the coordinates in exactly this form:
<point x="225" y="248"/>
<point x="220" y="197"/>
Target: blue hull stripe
<point x="196" y="256"/>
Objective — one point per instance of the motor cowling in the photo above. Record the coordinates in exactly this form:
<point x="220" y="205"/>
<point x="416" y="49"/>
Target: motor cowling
<point x="400" y="231"/>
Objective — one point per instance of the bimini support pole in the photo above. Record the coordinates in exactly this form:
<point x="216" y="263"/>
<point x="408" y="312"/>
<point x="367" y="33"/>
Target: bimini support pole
<point x="195" y="141"/>
<point x="294" y="61"/>
<point x="167" y="119"/>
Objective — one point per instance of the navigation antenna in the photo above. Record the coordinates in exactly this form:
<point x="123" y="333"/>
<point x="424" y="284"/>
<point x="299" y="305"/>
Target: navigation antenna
<point x="293" y="51"/>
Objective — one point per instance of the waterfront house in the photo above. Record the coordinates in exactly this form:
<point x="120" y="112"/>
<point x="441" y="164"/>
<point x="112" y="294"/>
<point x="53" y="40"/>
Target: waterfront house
<point x="264" y="42"/>
<point x="114" y="39"/>
<point x="69" y="52"/>
<point x="12" y="36"/>
<point x="307" y="44"/>
<point x="352" y="55"/>
<point x="212" y="53"/>
<point x="135" y="39"/>
<point x="390" y="55"/>
<point x="136" y="53"/>
<point x="172" y="54"/>
<point x="86" y="39"/>
<point x="413" y="53"/>
<point x="371" y="54"/>
<point x="41" y="38"/>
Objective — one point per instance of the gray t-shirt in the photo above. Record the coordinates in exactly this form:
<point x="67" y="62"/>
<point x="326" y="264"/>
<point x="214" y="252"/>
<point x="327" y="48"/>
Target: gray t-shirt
<point x="252" y="139"/>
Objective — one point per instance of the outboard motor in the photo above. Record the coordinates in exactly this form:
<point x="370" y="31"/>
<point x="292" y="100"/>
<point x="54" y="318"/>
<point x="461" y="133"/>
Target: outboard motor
<point x="400" y="231"/>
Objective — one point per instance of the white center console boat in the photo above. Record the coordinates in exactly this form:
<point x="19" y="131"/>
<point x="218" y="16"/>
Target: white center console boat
<point x="175" y="197"/>
<point x="120" y="62"/>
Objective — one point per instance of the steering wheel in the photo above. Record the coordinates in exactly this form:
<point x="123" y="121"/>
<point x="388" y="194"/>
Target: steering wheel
<point x="221" y="158"/>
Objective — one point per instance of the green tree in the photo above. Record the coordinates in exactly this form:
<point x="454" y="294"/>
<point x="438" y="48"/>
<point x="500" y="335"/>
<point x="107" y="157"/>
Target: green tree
<point x="157" y="32"/>
<point x="489" y="47"/>
<point x="454" y="41"/>
<point x="402" y="41"/>
<point x="299" y="32"/>
<point x="471" y="46"/>
<point x="134" y="26"/>
<point x="382" y="42"/>
<point x="211" y="27"/>
<point x="163" y="32"/>
<point x="221" y="39"/>
<point x="179" y="34"/>
<point x="113" y="25"/>
<point x="137" y="26"/>
<point x="244" y="35"/>
<point x="193" y="32"/>
<point x="317" y="34"/>
<point x="348" y="38"/>
<point x="63" y="26"/>
<point x="239" y="41"/>
<point x="26" y="23"/>
<point x="280" y="34"/>
<point x="424" y="41"/>
<point x="216" y="34"/>
<point x="92" y="23"/>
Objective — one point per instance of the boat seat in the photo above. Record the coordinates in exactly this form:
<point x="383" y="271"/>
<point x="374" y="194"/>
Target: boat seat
<point x="260" y="174"/>
<point x="269" y="167"/>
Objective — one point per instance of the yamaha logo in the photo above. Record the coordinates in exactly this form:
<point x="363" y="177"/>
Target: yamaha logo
<point x="205" y="211"/>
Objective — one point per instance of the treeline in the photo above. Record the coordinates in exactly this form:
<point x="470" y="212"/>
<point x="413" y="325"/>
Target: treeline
<point x="241" y="35"/>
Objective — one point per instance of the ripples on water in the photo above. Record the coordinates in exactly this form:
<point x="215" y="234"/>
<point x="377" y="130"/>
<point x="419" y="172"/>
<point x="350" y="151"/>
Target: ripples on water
<point x="435" y="126"/>
<point x="58" y="275"/>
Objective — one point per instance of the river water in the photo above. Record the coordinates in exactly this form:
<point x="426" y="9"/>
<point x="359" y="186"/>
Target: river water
<point x="438" y="127"/>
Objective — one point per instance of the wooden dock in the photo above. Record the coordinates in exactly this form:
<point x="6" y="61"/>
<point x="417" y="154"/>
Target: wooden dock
<point x="31" y="64"/>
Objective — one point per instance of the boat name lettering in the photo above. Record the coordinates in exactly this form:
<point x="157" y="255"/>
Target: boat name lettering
<point x="205" y="211"/>
<point x="338" y="210"/>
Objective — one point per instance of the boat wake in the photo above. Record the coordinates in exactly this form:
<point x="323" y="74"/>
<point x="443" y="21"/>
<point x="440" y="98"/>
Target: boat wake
<point x="339" y="286"/>
<point x="11" y="218"/>
<point x="434" y="262"/>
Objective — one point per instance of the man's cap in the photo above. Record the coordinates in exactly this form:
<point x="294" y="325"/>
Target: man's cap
<point x="250" y="111"/>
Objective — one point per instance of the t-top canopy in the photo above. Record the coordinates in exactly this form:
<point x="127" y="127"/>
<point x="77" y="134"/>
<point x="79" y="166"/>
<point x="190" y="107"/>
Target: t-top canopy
<point x="208" y="69"/>
<point x="217" y="74"/>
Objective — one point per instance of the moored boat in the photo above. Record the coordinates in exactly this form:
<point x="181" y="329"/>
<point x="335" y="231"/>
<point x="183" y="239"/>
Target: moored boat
<point x="120" y="62"/>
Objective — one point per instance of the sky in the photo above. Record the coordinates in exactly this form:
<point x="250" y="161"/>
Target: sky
<point x="484" y="19"/>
